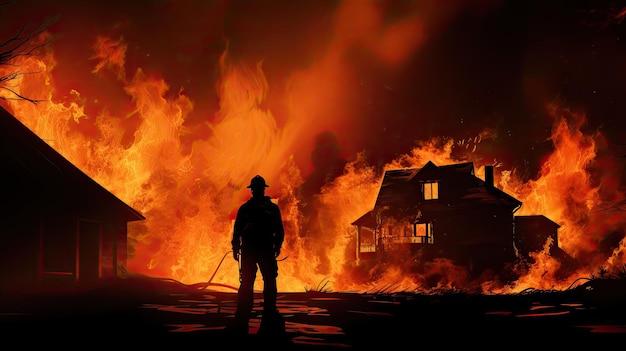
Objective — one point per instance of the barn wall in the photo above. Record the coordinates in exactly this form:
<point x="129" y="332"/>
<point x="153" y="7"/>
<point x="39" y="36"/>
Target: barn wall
<point x="19" y="253"/>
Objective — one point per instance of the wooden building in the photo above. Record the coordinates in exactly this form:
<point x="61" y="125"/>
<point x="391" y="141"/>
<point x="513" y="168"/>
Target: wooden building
<point x="445" y="212"/>
<point x="59" y="228"/>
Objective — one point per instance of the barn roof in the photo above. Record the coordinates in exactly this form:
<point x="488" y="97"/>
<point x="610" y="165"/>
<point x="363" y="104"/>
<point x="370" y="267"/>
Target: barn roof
<point x="36" y="165"/>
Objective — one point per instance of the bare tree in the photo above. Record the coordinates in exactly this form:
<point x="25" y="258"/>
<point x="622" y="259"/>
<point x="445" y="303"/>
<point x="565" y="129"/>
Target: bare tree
<point x="22" y="43"/>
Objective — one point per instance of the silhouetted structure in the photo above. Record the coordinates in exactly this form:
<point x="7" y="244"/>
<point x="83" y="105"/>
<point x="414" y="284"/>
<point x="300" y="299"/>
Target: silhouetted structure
<point x="448" y="212"/>
<point x="532" y="232"/>
<point x="59" y="228"/>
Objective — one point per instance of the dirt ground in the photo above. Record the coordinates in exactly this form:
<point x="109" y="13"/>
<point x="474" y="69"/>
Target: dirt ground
<point x="164" y="314"/>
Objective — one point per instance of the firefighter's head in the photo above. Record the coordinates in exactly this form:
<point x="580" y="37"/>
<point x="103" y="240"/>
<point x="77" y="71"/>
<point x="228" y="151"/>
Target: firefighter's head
<point x="257" y="183"/>
<point x="257" y="186"/>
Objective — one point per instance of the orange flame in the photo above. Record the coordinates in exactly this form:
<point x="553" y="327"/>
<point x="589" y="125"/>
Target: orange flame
<point x="189" y="183"/>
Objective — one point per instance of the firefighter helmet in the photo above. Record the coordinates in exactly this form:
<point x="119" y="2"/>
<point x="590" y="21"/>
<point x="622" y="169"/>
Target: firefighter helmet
<point x="257" y="182"/>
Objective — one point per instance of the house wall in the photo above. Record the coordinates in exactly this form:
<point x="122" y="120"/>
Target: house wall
<point x="56" y="250"/>
<point x="56" y="223"/>
<point x="20" y="223"/>
<point x="19" y="252"/>
<point x="531" y="233"/>
<point x="480" y="238"/>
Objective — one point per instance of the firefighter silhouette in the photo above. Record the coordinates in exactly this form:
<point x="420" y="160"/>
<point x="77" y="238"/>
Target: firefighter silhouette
<point x="258" y="236"/>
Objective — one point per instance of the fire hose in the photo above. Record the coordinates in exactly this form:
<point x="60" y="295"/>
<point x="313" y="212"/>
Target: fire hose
<point x="210" y="282"/>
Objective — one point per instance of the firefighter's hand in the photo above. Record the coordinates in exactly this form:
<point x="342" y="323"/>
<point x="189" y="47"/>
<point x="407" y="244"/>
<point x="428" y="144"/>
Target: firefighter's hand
<point x="236" y="255"/>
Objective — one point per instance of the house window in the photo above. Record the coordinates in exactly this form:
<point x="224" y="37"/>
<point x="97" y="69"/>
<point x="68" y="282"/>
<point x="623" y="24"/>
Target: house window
<point x="431" y="190"/>
<point x="368" y="241"/>
<point x="422" y="229"/>
<point x="424" y="233"/>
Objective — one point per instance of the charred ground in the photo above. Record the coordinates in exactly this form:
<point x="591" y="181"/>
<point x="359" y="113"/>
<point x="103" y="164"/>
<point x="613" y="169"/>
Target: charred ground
<point x="141" y="311"/>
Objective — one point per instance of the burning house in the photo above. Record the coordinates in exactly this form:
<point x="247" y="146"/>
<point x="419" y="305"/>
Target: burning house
<point x="59" y="227"/>
<point x="448" y="212"/>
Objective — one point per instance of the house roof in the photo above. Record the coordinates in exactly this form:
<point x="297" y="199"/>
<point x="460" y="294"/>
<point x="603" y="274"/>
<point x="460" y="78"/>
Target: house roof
<point x="36" y="165"/>
<point x="399" y="186"/>
<point x="537" y="218"/>
<point x="395" y="189"/>
<point x="367" y="220"/>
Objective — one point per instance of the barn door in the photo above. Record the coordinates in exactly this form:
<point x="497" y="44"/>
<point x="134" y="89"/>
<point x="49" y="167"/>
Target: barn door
<point x="89" y="267"/>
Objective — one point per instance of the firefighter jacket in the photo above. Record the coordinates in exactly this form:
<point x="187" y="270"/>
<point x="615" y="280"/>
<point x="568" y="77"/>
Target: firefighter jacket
<point x="258" y="226"/>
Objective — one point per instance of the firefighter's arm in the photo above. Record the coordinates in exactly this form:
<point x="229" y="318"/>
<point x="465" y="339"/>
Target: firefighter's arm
<point x="236" y="240"/>
<point x="236" y="255"/>
<point x="279" y="234"/>
<point x="235" y="245"/>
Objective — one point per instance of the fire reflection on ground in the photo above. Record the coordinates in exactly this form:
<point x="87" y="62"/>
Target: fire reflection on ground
<point x="213" y="307"/>
<point x="310" y="334"/>
<point x="620" y="329"/>
<point x="315" y="320"/>
<point x="328" y="321"/>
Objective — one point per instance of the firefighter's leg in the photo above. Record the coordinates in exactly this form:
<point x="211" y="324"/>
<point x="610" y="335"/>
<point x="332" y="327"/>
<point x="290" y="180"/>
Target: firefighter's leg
<point x="245" y="295"/>
<point x="272" y="323"/>
<point x="269" y="272"/>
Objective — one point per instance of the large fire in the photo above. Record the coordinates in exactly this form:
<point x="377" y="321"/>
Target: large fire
<point x="189" y="183"/>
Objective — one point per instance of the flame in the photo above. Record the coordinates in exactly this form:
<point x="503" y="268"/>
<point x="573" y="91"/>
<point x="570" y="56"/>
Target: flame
<point x="572" y="189"/>
<point x="188" y="180"/>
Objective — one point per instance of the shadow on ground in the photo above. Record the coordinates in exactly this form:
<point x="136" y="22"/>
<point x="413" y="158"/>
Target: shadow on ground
<point x="147" y="312"/>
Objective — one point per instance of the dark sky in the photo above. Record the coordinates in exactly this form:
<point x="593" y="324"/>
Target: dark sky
<point x="484" y="64"/>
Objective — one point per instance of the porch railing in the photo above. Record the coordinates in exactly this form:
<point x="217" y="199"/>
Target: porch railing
<point x="368" y="248"/>
<point x="396" y="240"/>
<point x="390" y="240"/>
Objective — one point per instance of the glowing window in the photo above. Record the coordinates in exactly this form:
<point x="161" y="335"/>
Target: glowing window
<point x="431" y="190"/>
<point x="424" y="232"/>
<point x="421" y="229"/>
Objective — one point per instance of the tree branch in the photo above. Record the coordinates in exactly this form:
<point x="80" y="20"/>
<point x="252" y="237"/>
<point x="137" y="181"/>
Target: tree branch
<point x="21" y="44"/>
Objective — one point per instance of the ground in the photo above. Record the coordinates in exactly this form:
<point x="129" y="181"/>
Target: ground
<point x="142" y="313"/>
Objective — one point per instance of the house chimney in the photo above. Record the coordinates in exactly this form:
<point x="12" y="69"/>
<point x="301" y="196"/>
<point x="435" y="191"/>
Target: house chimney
<point x="489" y="175"/>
